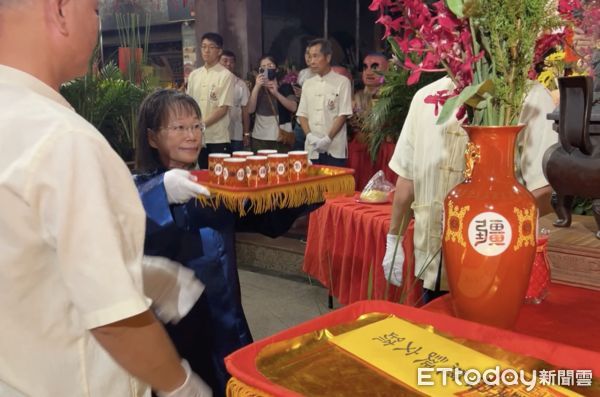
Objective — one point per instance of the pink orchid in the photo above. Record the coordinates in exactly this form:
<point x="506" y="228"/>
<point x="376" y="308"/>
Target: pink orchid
<point x="436" y="37"/>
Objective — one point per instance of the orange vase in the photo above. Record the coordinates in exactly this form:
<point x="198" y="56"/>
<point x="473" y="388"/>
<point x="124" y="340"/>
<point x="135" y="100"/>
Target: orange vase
<point x="489" y="237"/>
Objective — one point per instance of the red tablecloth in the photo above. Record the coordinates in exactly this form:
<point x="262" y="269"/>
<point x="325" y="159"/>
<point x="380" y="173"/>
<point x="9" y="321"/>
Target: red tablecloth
<point x="360" y="160"/>
<point x="345" y="247"/>
<point x="568" y="315"/>
<point x="242" y="363"/>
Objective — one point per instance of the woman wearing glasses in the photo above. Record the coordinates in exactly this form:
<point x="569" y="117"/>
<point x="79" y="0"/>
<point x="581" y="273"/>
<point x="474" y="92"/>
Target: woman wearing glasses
<point x="274" y="106"/>
<point x="203" y="239"/>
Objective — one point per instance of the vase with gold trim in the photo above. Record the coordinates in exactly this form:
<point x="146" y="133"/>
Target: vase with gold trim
<point x="489" y="237"/>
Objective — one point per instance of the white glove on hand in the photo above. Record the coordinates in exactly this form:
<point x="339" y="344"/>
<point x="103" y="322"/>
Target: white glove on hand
<point x="181" y="186"/>
<point x="193" y="386"/>
<point x="173" y="288"/>
<point x="309" y="146"/>
<point x="323" y="144"/>
<point x="393" y="264"/>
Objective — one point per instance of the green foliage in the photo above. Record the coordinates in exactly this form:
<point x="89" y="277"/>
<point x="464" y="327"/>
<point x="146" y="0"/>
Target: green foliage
<point x="386" y="118"/>
<point x="582" y="206"/>
<point x="110" y="103"/>
<point x="506" y="31"/>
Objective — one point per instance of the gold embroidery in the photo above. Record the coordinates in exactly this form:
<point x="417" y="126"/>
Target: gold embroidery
<point x="472" y="156"/>
<point x="526" y="236"/>
<point x="454" y="223"/>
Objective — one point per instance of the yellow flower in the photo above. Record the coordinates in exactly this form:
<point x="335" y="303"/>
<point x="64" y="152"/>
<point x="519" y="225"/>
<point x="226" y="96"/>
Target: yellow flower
<point x="555" y="57"/>
<point x="547" y="78"/>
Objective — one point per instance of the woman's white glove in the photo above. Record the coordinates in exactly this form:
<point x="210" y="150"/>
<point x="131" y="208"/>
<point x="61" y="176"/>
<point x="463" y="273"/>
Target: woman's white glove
<point x="393" y="261"/>
<point x="173" y="288"/>
<point x="193" y="386"/>
<point x="181" y="186"/>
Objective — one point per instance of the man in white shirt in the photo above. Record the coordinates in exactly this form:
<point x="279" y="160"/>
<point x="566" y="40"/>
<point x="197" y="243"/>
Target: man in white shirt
<point x="303" y="75"/>
<point x="75" y="320"/>
<point x="239" y="119"/>
<point x="212" y="87"/>
<point x="325" y="104"/>
<point x="429" y="161"/>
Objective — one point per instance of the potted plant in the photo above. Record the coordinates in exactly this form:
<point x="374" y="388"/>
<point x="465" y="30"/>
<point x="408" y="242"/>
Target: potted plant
<point x="110" y="103"/>
<point x="133" y="48"/>
<point x="391" y="106"/>
<point x="486" y="49"/>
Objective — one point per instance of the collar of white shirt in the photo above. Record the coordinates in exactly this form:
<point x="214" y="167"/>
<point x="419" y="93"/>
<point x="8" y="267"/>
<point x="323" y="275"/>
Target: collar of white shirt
<point x="15" y="77"/>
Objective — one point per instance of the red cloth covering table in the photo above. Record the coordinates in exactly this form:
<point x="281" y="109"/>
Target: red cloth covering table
<point x="242" y="363"/>
<point x="345" y="247"/>
<point x="568" y="315"/>
<point x="360" y="160"/>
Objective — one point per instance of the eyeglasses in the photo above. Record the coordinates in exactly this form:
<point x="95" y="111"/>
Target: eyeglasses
<point x="372" y="66"/>
<point x="182" y="129"/>
<point x="209" y="47"/>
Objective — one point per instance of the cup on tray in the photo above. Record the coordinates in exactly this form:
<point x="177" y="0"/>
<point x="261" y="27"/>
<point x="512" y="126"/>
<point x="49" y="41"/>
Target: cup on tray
<point x="265" y="152"/>
<point x="242" y="153"/>
<point x="278" y="168"/>
<point x="215" y="167"/>
<point x="257" y="173"/>
<point x="298" y="164"/>
<point x="234" y="172"/>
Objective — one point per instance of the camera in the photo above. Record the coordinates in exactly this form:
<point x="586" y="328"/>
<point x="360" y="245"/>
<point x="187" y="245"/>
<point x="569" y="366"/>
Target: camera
<point x="268" y="73"/>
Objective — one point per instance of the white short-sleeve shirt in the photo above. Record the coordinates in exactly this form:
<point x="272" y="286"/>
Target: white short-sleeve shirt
<point x="432" y="156"/>
<point x="71" y="238"/>
<point x="323" y="99"/>
<point x="240" y="99"/>
<point x="212" y="88"/>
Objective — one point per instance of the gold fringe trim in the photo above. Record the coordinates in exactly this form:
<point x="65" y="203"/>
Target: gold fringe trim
<point x="277" y="197"/>
<point x="236" y="388"/>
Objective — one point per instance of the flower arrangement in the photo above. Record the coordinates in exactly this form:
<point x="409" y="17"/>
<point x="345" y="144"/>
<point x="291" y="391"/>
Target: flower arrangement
<point x="485" y="47"/>
<point x="561" y="53"/>
<point x="291" y="77"/>
<point x="554" y="67"/>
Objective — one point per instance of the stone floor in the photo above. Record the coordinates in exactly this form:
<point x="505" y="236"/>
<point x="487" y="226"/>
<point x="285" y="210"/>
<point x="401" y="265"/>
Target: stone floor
<point x="276" y="293"/>
<point x="274" y="303"/>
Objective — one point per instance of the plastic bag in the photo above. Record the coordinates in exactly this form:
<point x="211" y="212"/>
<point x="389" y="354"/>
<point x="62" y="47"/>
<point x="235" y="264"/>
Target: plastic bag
<point x="377" y="190"/>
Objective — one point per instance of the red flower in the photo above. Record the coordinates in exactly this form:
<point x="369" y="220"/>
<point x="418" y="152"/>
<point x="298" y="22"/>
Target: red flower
<point x="438" y="99"/>
<point x="379" y="5"/>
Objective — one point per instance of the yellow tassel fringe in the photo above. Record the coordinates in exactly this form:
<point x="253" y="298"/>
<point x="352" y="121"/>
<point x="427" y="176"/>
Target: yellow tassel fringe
<point x="235" y="388"/>
<point x="276" y="197"/>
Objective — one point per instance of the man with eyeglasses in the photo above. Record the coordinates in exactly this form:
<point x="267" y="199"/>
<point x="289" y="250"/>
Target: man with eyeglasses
<point x="212" y="86"/>
<point x="325" y="104"/>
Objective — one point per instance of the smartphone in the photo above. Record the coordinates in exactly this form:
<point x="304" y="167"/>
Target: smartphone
<point x="268" y="73"/>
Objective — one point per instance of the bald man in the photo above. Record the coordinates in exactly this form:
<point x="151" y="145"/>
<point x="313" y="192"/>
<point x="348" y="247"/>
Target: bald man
<point x="75" y="319"/>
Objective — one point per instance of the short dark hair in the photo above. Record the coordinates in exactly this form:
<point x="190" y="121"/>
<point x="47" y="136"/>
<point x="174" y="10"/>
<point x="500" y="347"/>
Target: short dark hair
<point x="214" y="37"/>
<point x="270" y="58"/>
<point x="154" y="111"/>
<point x="326" y="48"/>
<point x="227" y="53"/>
<point x="376" y="54"/>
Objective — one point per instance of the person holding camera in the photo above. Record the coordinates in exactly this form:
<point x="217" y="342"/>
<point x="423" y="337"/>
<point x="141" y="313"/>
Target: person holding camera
<point x="274" y="106"/>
